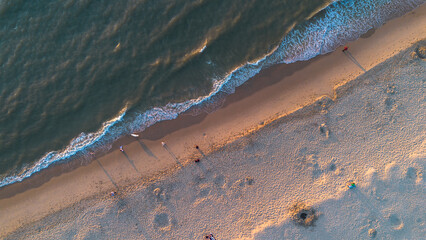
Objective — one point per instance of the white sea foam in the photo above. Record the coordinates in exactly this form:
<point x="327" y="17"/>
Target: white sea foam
<point x="335" y="25"/>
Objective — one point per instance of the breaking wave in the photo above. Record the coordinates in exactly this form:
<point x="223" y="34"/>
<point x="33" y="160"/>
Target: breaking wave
<point x="333" y="26"/>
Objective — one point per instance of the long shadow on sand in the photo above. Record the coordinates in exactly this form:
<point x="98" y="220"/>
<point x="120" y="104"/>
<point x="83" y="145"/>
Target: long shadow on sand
<point x="107" y="174"/>
<point x="264" y="79"/>
<point x="349" y="55"/>
<point x="201" y="152"/>
<point x="172" y="154"/>
<point x="131" y="162"/>
<point x="146" y="149"/>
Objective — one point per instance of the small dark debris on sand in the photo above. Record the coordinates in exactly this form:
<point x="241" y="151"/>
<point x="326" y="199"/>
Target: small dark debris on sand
<point x="249" y="180"/>
<point x="303" y="215"/>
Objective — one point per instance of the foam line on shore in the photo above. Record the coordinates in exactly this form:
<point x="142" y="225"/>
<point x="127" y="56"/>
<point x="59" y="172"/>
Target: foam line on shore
<point x="182" y="140"/>
<point x="324" y="32"/>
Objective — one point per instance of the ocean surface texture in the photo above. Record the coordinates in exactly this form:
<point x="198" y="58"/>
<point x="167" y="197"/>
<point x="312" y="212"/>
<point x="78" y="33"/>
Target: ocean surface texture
<point x="76" y="75"/>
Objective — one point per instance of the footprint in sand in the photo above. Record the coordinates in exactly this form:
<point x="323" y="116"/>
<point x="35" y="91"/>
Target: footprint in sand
<point x="205" y="183"/>
<point x="390" y="103"/>
<point x="395" y="222"/>
<point x="317" y="171"/>
<point x="162" y="220"/>
<point x="219" y="181"/>
<point x="369" y="107"/>
<point x="243" y="182"/>
<point x="324" y="129"/>
<point x="160" y="194"/>
<point x="331" y="167"/>
<point x="312" y="162"/>
<point x="397" y="178"/>
<point x="240" y="185"/>
<point x="201" y="195"/>
<point x="199" y="179"/>
<point x="390" y="89"/>
<point x="204" y="191"/>
<point x="205" y="186"/>
<point x="414" y="174"/>
<point x="411" y="173"/>
<point x="421" y="52"/>
<point x="90" y="231"/>
<point x="391" y="171"/>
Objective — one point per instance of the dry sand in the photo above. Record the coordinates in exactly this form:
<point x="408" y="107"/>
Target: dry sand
<point x="261" y="154"/>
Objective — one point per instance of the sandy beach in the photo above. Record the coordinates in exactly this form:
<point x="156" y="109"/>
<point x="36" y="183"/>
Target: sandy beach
<point x="275" y="159"/>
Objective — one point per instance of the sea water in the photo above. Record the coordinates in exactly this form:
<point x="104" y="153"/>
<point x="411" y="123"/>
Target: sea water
<point x="76" y="75"/>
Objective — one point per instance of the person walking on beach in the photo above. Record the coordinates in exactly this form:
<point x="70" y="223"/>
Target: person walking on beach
<point x="345" y="49"/>
<point x="210" y="237"/>
<point x="121" y="149"/>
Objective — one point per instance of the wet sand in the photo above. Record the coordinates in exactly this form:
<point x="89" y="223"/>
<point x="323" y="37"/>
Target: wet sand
<point x="235" y="168"/>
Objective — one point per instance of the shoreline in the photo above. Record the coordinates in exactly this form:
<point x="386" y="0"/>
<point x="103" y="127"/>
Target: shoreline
<point x="284" y="93"/>
<point x="267" y="77"/>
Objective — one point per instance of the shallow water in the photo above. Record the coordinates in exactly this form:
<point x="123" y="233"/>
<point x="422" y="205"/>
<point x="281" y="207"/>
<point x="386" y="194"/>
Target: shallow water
<point x="77" y="75"/>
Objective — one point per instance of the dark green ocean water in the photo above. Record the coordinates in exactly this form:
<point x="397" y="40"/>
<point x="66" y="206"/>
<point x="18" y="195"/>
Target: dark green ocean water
<point x="75" y="75"/>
